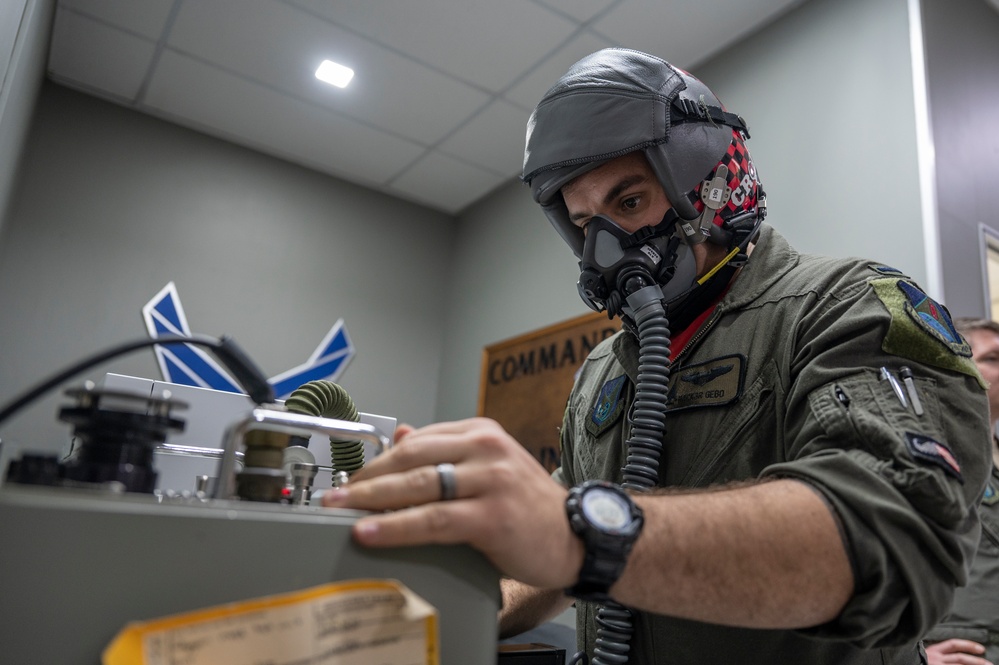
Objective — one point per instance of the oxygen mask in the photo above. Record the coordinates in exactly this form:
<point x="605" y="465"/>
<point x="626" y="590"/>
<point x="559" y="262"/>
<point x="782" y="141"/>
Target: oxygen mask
<point x="616" y="264"/>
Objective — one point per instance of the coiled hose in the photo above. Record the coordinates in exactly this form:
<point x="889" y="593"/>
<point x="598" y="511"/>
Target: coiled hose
<point x="641" y="470"/>
<point x="325" y="399"/>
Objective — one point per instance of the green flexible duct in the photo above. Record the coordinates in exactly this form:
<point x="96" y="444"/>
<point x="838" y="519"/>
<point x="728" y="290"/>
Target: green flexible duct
<point x="326" y="399"/>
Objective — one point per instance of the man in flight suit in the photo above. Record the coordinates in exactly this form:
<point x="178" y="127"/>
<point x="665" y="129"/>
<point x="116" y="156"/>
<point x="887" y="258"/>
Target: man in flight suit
<point x="801" y="441"/>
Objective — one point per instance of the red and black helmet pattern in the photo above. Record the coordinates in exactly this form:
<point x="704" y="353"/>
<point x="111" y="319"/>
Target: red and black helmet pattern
<point x="742" y="180"/>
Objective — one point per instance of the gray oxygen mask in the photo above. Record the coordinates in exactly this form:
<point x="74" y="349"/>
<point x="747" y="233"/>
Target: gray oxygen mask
<point x="616" y="264"/>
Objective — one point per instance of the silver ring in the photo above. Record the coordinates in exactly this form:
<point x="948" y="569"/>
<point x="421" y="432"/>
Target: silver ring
<point x="449" y="486"/>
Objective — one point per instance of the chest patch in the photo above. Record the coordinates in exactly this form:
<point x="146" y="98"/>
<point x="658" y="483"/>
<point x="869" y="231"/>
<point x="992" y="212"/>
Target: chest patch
<point x="991" y="496"/>
<point x="925" y="449"/>
<point x="711" y="383"/>
<point x="608" y="407"/>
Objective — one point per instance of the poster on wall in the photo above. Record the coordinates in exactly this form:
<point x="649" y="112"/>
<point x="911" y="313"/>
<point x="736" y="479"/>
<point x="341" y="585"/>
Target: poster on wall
<point x="526" y="380"/>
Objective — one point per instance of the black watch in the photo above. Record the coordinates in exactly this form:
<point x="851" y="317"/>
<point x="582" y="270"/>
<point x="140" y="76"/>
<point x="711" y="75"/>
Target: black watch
<point x="608" y="522"/>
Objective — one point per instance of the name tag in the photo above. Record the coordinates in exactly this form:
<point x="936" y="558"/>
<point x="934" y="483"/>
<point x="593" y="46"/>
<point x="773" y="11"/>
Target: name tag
<point x="714" y="382"/>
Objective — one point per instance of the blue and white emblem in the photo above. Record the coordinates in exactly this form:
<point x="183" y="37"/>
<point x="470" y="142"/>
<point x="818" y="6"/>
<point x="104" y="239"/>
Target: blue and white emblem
<point x="608" y="407"/>
<point x="191" y="366"/>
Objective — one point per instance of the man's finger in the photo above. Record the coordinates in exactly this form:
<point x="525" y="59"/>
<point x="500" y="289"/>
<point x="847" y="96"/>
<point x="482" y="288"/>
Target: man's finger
<point x="417" y="450"/>
<point x="442" y="523"/>
<point x="408" y="488"/>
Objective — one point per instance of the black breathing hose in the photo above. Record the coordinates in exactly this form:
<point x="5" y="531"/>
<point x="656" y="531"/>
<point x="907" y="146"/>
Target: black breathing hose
<point x="641" y="470"/>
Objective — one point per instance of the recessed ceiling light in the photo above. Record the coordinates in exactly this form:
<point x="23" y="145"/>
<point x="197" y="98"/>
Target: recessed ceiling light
<point x="334" y="74"/>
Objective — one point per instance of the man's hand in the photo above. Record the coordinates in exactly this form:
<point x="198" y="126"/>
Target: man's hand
<point x="962" y="652"/>
<point x="507" y="506"/>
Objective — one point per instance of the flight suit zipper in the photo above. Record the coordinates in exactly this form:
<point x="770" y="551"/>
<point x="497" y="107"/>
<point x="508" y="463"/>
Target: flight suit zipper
<point x="697" y="337"/>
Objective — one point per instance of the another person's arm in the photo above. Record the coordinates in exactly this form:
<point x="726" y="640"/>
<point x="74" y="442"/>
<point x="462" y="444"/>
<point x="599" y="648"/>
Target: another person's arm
<point x="956" y="652"/>
<point x="526" y="607"/>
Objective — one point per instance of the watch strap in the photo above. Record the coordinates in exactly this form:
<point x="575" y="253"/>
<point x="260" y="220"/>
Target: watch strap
<point x="606" y="553"/>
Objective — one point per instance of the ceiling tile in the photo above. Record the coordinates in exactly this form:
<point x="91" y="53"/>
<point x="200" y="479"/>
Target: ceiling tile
<point x="442" y="92"/>
<point x="146" y="18"/>
<point x="528" y="92"/>
<point x="99" y="57"/>
<point x="280" y="46"/>
<point x="483" y="42"/>
<point x="494" y="139"/>
<point x="580" y="10"/>
<point x="445" y="183"/>
<point x="264" y="120"/>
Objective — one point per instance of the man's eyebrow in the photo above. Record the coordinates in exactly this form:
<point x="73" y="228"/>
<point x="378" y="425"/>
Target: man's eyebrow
<point x="622" y="185"/>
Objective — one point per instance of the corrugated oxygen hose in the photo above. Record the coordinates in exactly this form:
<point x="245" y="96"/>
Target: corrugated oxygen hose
<point x="641" y="471"/>
<point x="325" y="399"/>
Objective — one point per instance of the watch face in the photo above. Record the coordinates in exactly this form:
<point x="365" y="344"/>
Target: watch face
<point x="606" y="509"/>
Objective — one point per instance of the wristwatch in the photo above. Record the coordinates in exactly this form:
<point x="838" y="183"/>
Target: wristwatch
<point x="608" y="522"/>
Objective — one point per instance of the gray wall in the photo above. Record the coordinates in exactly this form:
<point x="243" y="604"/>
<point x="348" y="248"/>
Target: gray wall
<point x="962" y="59"/>
<point x="511" y="274"/>
<point x="24" y="30"/>
<point x="113" y="204"/>
<point x="827" y="93"/>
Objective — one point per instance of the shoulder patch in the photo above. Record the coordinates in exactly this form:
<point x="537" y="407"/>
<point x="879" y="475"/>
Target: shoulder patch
<point x="921" y="329"/>
<point x="925" y="449"/>
<point x="885" y="270"/>
<point x="933" y="318"/>
<point x="608" y="407"/>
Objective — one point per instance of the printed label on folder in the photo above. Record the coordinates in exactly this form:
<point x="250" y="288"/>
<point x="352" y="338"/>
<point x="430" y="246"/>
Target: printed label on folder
<point x="352" y="623"/>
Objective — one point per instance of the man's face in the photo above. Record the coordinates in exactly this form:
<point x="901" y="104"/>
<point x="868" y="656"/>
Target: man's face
<point x="627" y="191"/>
<point x="985" y="353"/>
<point x="624" y="189"/>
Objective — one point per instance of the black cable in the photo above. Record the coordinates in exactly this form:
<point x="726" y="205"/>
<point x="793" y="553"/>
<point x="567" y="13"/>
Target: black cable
<point x="225" y="349"/>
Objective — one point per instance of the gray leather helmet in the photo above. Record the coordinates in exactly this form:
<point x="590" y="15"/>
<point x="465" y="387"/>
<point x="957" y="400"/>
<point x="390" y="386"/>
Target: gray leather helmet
<point x="617" y="101"/>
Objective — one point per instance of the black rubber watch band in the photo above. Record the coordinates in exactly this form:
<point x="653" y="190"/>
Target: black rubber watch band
<point x="608" y="522"/>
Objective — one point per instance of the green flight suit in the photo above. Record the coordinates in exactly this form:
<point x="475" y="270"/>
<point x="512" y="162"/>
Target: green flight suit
<point x="975" y="612"/>
<point x="783" y="380"/>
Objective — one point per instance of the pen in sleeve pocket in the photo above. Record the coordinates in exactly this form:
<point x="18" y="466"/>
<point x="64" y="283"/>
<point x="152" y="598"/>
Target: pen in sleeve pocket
<point x="910" y="387"/>
<point x="890" y="378"/>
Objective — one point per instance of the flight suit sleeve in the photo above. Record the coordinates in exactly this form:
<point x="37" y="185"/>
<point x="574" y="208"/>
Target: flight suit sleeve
<point x="565" y="474"/>
<point x="904" y="485"/>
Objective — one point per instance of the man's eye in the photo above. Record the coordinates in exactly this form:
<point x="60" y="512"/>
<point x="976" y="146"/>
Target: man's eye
<point x="631" y="202"/>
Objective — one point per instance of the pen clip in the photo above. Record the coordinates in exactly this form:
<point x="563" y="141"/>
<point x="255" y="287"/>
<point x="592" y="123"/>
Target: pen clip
<point x="886" y="375"/>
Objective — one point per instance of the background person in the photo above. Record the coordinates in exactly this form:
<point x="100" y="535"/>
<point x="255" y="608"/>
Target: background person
<point x="970" y="633"/>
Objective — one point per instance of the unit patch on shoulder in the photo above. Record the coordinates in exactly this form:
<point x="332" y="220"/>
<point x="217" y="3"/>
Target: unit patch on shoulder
<point x="711" y="383"/>
<point x="885" y="270"/>
<point x="608" y="407"/>
<point x="925" y="449"/>
<point x="933" y="318"/>
<point x="921" y="329"/>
